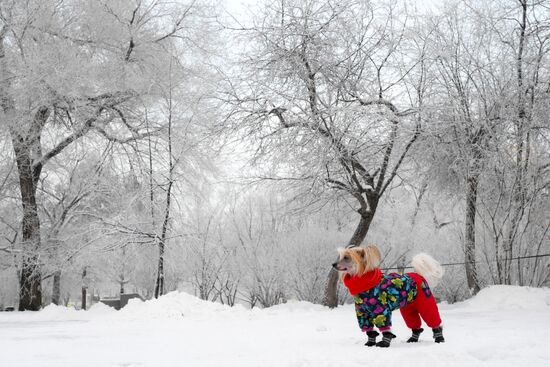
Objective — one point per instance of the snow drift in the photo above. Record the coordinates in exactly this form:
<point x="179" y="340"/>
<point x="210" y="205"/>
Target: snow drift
<point x="509" y="297"/>
<point x="181" y="304"/>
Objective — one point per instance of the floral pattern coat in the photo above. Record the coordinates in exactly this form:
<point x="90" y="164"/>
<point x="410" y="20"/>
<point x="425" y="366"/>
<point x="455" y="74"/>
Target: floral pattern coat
<point x="374" y="306"/>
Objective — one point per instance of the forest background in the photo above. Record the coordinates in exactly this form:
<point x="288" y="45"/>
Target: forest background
<point x="150" y="145"/>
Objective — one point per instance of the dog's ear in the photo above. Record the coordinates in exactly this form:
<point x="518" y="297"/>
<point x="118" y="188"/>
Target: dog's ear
<point x="358" y="256"/>
<point x="372" y="257"/>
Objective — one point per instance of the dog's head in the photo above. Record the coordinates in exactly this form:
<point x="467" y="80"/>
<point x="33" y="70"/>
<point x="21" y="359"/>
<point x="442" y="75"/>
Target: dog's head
<point x="357" y="260"/>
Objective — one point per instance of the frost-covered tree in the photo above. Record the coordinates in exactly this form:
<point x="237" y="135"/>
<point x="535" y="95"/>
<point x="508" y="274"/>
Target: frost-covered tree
<point x="488" y="136"/>
<point x="318" y="96"/>
<point x="69" y="69"/>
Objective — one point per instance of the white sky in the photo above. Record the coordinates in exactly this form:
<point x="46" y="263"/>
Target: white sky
<point x="241" y="8"/>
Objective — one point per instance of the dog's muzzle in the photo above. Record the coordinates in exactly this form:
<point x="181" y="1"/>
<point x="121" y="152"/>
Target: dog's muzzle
<point x="335" y="267"/>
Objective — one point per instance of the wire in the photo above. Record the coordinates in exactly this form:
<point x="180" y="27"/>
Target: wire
<point x="464" y="263"/>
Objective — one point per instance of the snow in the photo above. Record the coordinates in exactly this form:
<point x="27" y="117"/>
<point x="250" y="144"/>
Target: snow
<point x="501" y="326"/>
<point x="503" y="297"/>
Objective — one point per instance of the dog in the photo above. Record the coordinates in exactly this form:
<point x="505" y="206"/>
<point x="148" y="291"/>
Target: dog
<point x="377" y="295"/>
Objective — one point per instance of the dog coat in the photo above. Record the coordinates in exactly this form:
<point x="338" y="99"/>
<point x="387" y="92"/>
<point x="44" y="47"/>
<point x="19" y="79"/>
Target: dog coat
<point x="377" y="295"/>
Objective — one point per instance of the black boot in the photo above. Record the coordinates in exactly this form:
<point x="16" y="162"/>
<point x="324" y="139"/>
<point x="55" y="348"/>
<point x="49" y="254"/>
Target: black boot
<point x="415" y="336"/>
<point x="387" y="336"/>
<point x="372" y="338"/>
<point x="438" y="335"/>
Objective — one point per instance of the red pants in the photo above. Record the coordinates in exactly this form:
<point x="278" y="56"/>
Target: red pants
<point x="422" y="307"/>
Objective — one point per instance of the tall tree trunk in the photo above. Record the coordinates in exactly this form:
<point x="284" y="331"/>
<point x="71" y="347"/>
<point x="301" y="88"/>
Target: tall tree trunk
<point x="522" y="146"/>
<point x="159" y="287"/>
<point x="30" y="288"/>
<point x="84" y="289"/>
<point x="122" y="276"/>
<point x="331" y="289"/>
<point x="56" y="288"/>
<point x="472" y="183"/>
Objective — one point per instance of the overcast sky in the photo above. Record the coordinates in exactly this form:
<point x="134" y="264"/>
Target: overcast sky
<point x="241" y="8"/>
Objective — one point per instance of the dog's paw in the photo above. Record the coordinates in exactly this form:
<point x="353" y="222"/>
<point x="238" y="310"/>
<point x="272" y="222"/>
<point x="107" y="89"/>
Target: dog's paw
<point x="415" y="335"/>
<point x="387" y="336"/>
<point x="438" y="335"/>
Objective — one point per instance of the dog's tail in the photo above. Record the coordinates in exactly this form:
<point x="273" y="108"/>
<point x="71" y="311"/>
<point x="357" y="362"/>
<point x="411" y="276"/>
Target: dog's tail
<point x="428" y="267"/>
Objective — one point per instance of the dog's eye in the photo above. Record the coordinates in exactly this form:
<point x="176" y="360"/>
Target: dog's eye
<point x="346" y="257"/>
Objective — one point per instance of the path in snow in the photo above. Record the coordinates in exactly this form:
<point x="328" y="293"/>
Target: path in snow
<point x="502" y="326"/>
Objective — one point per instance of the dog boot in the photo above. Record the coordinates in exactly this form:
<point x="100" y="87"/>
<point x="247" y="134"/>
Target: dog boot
<point x="438" y="335"/>
<point x="372" y="338"/>
<point x="415" y="336"/>
<point x="387" y="336"/>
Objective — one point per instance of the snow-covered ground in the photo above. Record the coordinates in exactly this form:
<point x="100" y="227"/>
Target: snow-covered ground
<point x="502" y="326"/>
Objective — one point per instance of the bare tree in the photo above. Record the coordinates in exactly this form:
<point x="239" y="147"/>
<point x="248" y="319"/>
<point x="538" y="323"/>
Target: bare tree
<point x="317" y="99"/>
<point x="488" y="112"/>
<point x="33" y="104"/>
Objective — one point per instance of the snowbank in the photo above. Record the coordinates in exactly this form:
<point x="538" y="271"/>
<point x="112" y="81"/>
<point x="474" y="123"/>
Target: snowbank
<point x="510" y="298"/>
<point x="180" y="304"/>
<point x="52" y="311"/>
<point x="100" y="309"/>
<point x="174" y="305"/>
<point x="183" y="305"/>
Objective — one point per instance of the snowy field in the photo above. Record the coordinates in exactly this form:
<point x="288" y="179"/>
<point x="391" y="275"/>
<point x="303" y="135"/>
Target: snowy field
<point x="502" y="326"/>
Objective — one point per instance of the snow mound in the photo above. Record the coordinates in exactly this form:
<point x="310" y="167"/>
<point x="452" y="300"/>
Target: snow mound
<point x="100" y="309"/>
<point x="53" y="313"/>
<point x="509" y="297"/>
<point x="173" y="305"/>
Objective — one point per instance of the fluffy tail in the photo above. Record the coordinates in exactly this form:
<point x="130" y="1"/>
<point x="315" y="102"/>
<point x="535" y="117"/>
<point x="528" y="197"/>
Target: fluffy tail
<point x="428" y="267"/>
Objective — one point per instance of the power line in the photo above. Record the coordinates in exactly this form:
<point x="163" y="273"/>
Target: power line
<point x="464" y="263"/>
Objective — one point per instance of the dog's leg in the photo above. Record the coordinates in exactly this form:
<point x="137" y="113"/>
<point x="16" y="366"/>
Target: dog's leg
<point x="416" y="334"/>
<point x="387" y="336"/>
<point x="438" y="335"/>
<point x="372" y="334"/>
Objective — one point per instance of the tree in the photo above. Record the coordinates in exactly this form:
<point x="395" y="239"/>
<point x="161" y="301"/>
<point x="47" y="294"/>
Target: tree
<point x="65" y="206"/>
<point x="76" y="69"/>
<point x="489" y="81"/>
<point x="318" y="99"/>
<point x="467" y="112"/>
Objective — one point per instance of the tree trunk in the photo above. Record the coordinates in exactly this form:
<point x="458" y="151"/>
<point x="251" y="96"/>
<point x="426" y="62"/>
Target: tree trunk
<point x="56" y="289"/>
<point x="331" y="289"/>
<point x="30" y="288"/>
<point x="84" y="289"/>
<point x="470" y="232"/>
<point x="522" y="147"/>
<point x="159" y="287"/>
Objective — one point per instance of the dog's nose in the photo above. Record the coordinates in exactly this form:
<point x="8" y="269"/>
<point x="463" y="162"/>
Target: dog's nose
<point x="334" y="265"/>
